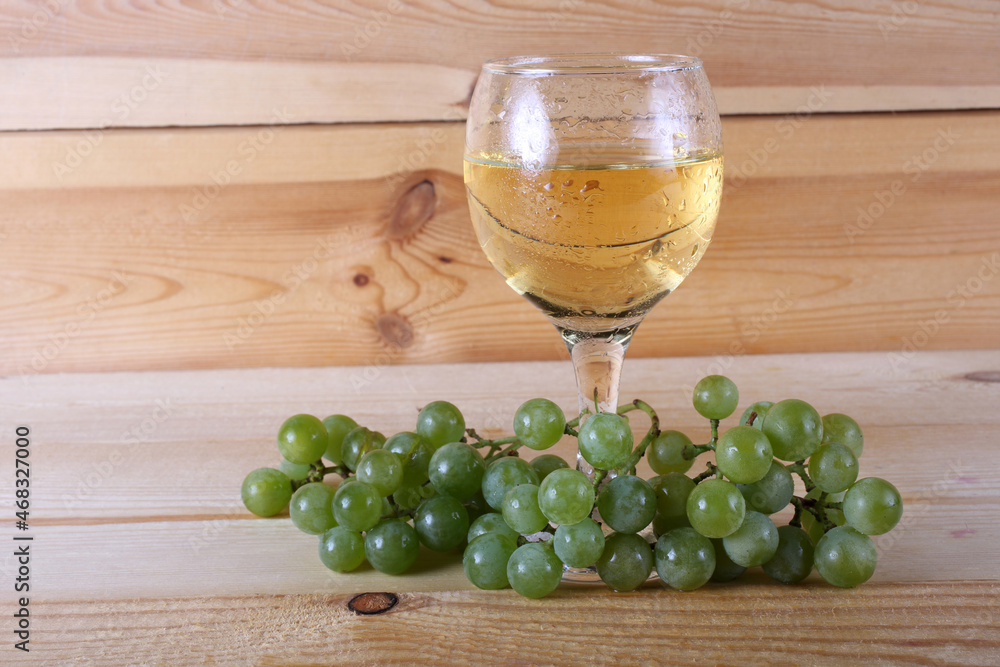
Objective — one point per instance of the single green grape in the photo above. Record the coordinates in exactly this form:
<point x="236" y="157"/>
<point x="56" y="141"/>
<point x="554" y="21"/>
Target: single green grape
<point x="302" y="439"/>
<point x="491" y="522"/>
<point x="685" y="559"/>
<point x="715" y="397"/>
<point x="813" y="528"/>
<point x="534" y="570"/>
<point x="382" y="469"/>
<point x="725" y="568"/>
<point x="502" y="475"/>
<point x="407" y="497"/>
<point x="415" y="453"/>
<point x="357" y="506"/>
<point x="716" y="508"/>
<point x="456" y="469"/>
<point x="337" y="426"/>
<point x="358" y="442"/>
<point x="266" y="491"/>
<point x="666" y="453"/>
<point x="566" y="496"/>
<point x="485" y="560"/>
<point x="311" y="508"/>
<point x="626" y="561"/>
<point x="579" y="544"/>
<point x="841" y="428"/>
<point x="772" y="492"/>
<point x="295" y="471"/>
<point x="441" y="522"/>
<point x="672" y="491"/>
<point x="392" y="546"/>
<point x="627" y="503"/>
<point x="605" y="440"/>
<point x="521" y="511"/>
<point x="833" y="467"/>
<point x="539" y="423"/>
<point x="743" y="454"/>
<point x="844" y="557"/>
<point x="754" y="542"/>
<point x="872" y="506"/>
<point x="794" y="429"/>
<point x="793" y="559"/>
<point x="547" y="463"/>
<point x="440" y="423"/>
<point x="341" y="550"/>
<point x="759" y="411"/>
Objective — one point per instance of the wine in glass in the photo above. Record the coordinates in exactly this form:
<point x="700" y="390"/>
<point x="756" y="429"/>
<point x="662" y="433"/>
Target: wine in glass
<point x="594" y="184"/>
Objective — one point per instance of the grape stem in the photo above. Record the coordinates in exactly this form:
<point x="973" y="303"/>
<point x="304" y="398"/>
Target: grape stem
<point x="799" y="468"/>
<point x="711" y="470"/>
<point x="651" y="434"/>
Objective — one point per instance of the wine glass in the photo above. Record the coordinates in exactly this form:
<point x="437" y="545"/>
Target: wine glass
<point x="594" y="184"/>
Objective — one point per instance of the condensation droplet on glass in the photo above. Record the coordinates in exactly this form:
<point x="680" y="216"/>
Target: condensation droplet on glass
<point x="683" y="205"/>
<point x="694" y="250"/>
<point x="548" y="186"/>
<point x="590" y="185"/>
<point x="568" y="183"/>
<point x="680" y="136"/>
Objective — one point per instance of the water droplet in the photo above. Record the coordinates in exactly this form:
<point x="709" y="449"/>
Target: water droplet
<point x="548" y="186"/>
<point x="590" y="185"/>
<point x="694" y="250"/>
<point x="568" y="183"/>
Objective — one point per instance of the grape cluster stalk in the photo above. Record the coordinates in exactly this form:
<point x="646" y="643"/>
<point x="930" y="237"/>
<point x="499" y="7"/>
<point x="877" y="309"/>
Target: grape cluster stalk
<point x="521" y="523"/>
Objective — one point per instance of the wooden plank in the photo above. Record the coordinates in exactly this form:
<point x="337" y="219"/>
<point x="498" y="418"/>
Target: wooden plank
<point x="317" y="247"/>
<point x="89" y="64"/>
<point x="155" y="545"/>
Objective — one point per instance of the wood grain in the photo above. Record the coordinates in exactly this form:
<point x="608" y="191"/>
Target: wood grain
<point x="142" y="552"/>
<point x="91" y="63"/>
<point x="319" y="245"/>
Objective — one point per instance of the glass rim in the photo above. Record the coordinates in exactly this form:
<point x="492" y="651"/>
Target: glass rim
<point x="592" y="63"/>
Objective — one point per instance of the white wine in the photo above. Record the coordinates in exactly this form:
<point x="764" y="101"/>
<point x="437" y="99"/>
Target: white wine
<point x="595" y="246"/>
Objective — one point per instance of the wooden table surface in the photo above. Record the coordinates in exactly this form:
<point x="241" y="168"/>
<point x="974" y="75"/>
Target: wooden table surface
<point x="143" y="554"/>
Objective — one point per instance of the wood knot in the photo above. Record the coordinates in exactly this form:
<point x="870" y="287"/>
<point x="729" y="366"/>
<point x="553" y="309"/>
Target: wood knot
<point x="360" y="279"/>
<point x="395" y="330"/>
<point x="983" y="376"/>
<point x="412" y="211"/>
<point x="369" y="604"/>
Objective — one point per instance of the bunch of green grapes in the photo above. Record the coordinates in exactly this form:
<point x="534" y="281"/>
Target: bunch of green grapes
<point x="523" y="524"/>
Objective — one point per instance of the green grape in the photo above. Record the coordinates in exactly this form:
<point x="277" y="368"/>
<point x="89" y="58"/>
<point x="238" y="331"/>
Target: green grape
<point x="392" y="546"/>
<point x="440" y="422"/>
<point x="685" y="559"/>
<point x="626" y="561"/>
<point x="521" y="511"/>
<point x="491" y="522"/>
<point x="485" y="560"/>
<point x="302" y="439"/>
<point x="415" y="453"/>
<point x="872" y="506"/>
<point x="725" y="568"/>
<point x="666" y="453"/>
<point x="382" y="469"/>
<point x="716" y="508"/>
<point x="760" y="408"/>
<point x="295" y="471"/>
<point x="357" y="506"/>
<point x="754" y="542"/>
<point x="407" y="497"/>
<point x="266" y="491"/>
<point x="672" y="491"/>
<point x="456" y="469"/>
<point x="794" y="429"/>
<point x="605" y="440"/>
<point x="715" y="397"/>
<point x="337" y="426"/>
<point x="358" y="442"/>
<point x="772" y="492"/>
<point x="841" y="428"/>
<point x="627" y="503"/>
<point x="833" y="467"/>
<point x="844" y="557"/>
<point x="793" y="560"/>
<point x="539" y="423"/>
<point x="311" y="508"/>
<point x="814" y="529"/>
<point x="547" y="463"/>
<point x="427" y="491"/>
<point x="442" y="523"/>
<point x="579" y="544"/>
<point x="341" y="550"/>
<point x="835" y="516"/>
<point x="743" y="454"/>
<point x="504" y="474"/>
<point x="566" y="496"/>
<point x="534" y="570"/>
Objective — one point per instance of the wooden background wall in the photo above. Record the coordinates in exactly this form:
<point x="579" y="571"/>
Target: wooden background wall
<point x="227" y="183"/>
